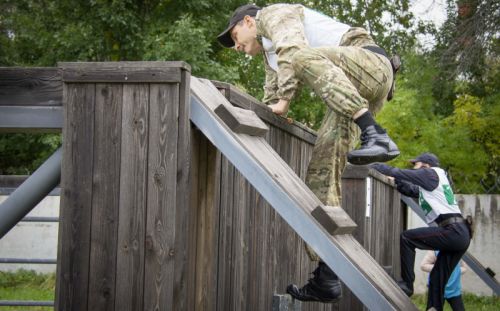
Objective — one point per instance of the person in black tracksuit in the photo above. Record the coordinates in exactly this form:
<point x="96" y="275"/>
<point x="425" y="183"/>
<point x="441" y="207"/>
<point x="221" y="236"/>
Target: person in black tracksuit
<point x="452" y="237"/>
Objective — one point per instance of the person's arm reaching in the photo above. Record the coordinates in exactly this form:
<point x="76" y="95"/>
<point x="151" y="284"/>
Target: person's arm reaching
<point x="271" y="86"/>
<point x="406" y="188"/>
<point x="426" y="178"/>
<point x="284" y="27"/>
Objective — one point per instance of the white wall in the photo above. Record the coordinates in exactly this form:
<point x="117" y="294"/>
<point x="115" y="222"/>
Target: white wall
<point x="32" y="239"/>
<point x="485" y="245"/>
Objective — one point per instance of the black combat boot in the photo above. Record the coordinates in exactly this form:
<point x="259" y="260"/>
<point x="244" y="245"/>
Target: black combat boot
<point x="323" y="287"/>
<point x="376" y="146"/>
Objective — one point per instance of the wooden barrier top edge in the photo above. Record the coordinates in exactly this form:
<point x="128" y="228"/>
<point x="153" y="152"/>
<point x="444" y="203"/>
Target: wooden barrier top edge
<point x="363" y="171"/>
<point x="241" y="99"/>
<point x="122" y="72"/>
<point x="126" y="64"/>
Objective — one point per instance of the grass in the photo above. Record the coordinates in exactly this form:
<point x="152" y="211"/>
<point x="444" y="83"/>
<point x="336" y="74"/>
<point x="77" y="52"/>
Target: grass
<point x="472" y="302"/>
<point x="27" y="285"/>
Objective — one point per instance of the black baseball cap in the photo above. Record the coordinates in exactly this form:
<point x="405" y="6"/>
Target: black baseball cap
<point x="225" y="36"/>
<point x="428" y="158"/>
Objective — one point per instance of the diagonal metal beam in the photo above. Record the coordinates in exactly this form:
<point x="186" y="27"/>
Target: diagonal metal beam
<point x="30" y="193"/>
<point x="469" y="259"/>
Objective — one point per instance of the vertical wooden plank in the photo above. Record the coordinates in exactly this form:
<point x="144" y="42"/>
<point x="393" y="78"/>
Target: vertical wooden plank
<point x="208" y="226"/>
<point x="105" y="189"/>
<point x="192" y="226"/>
<point x="181" y="262"/>
<point x="396" y="231"/>
<point x="225" y="266"/>
<point x="76" y="197"/>
<point x="133" y="200"/>
<point x="161" y="206"/>
<point x="252" y="272"/>
<point x="238" y="242"/>
<point x="354" y="202"/>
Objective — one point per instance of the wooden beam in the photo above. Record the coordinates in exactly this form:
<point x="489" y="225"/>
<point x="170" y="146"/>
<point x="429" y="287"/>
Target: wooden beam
<point x="241" y="99"/>
<point x="241" y="120"/>
<point x="30" y="87"/>
<point x="334" y="219"/>
<point x="127" y="72"/>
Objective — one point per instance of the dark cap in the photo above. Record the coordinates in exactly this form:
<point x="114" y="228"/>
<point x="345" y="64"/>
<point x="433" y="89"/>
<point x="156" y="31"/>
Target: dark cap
<point x="428" y="158"/>
<point x="225" y="36"/>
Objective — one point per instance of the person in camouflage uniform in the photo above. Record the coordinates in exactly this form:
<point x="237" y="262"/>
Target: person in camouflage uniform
<point x="352" y="75"/>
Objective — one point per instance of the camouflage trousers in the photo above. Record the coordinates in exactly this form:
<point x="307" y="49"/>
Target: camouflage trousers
<point x="347" y="78"/>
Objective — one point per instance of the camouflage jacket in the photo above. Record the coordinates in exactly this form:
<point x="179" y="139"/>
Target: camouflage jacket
<point x="283" y="25"/>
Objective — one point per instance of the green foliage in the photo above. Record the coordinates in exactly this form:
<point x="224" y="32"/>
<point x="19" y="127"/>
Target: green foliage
<point x="27" y="285"/>
<point x="27" y="278"/>
<point x="471" y="302"/>
<point x="440" y="106"/>
<point x="465" y="141"/>
<point x="24" y="153"/>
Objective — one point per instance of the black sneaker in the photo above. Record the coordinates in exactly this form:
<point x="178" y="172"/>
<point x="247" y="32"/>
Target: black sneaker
<point x="376" y="146"/>
<point x="323" y="287"/>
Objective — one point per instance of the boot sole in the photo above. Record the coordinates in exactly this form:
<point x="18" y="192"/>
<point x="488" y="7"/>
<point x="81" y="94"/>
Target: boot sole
<point x="363" y="160"/>
<point x="312" y="298"/>
<point x="316" y="300"/>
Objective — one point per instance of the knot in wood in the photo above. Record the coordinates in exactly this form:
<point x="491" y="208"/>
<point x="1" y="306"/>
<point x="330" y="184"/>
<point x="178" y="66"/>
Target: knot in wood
<point x="149" y="242"/>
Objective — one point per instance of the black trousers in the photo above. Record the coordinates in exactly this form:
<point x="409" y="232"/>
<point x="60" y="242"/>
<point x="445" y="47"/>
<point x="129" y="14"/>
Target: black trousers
<point x="456" y="303"/>
<point x="452" y="242"/>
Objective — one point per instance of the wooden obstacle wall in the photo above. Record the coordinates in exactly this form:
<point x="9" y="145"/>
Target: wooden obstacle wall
<point x="251" y="252"/>
<point x="154" y="217"/>
<point x="123" y="233"/>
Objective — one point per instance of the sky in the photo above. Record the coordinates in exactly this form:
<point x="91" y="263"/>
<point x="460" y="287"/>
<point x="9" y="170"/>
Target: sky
<point x="429" y="10"/>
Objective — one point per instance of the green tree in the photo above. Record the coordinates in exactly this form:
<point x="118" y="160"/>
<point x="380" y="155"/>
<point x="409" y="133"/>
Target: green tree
<point x="465" y="140"/>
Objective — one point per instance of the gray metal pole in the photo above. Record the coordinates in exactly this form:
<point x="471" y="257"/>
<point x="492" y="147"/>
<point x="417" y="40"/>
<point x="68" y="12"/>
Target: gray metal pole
<point x="30" y="193"/>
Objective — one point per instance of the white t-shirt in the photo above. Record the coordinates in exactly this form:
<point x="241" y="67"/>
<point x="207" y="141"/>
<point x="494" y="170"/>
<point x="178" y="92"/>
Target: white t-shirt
<point x="320" y="30"/>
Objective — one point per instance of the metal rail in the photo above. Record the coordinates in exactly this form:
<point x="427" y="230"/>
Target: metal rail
<point x="30" y="192"/>
<point x="486" y="274"/>
<point x="26" y="303"/>
<point x="28" y="260"/>
<point x="29" y="303"/>
<point x="40" y="219"/>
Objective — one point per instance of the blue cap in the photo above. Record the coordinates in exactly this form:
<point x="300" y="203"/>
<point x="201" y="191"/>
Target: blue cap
<point x="428" y="158"/>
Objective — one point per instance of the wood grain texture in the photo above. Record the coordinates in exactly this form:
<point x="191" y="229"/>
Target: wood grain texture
<point x="241" y="120"/>
<point x="182" y="264"/>
<point x="207" y="209"/>
<point x="105" y="196"/>
<point x="161" y="205"/>
<point x="76" y="198"/>
<point x="276" y="166"/>
<point x="133" y="197"/>
<point x="123" y="72"/>
<point x="334" y="219"/>
<point x="30" y="87"/>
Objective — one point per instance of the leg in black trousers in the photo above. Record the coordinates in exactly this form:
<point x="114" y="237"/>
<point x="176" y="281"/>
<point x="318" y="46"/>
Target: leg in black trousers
<point x="452" y="241"/>
<point x="456" y="303"/>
